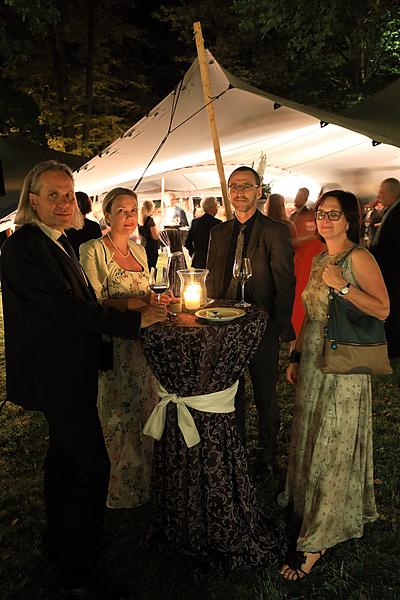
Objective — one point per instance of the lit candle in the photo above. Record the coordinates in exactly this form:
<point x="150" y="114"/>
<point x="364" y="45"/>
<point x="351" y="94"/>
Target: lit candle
<point x="192" y="295"/>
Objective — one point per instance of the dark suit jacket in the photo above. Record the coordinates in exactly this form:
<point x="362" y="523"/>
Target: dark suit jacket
<point x="52" y="323"/>
<point x="198" y="239"/>
<point x="387" y="253"/>
<point x="90" y="231"/>
<point x="272" y="284"/>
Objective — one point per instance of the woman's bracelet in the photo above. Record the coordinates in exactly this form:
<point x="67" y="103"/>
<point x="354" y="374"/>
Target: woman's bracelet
<point x="295" y="356"/>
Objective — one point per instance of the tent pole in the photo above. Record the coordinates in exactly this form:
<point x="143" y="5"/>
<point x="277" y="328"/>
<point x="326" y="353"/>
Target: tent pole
<point x="162" y="198"/>
<point x="201" y="53"/>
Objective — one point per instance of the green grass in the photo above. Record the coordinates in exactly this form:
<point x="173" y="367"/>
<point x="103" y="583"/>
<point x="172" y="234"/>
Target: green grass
<point x="363" y="569"/>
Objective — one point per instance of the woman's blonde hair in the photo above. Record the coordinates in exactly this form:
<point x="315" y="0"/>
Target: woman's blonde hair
<point x="112" y="194"/>
<point x="147" y="209"/>
<point x="25" y="213"/>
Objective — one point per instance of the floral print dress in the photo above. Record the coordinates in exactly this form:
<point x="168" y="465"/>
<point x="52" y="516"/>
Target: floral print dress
<point x="330" y="473"/>
<point x="125" y="400"/>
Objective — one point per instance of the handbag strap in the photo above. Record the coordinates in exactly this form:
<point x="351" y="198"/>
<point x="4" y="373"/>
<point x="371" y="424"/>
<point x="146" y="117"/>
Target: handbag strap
<point x="340" y="262"/>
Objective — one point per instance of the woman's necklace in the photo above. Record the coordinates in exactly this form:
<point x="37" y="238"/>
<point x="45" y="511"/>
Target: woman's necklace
<point x="117" y="249"/>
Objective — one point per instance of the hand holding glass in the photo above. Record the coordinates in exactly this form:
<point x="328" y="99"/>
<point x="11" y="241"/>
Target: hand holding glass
<point x="242" y="272"/>
<point x="159" y="281"/>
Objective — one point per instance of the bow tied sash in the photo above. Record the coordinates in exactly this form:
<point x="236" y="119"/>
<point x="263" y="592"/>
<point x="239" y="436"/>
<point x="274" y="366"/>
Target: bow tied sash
<point x="218" y="402"/>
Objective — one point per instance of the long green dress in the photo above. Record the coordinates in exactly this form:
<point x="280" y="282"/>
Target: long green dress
<point x="330" y="473"/>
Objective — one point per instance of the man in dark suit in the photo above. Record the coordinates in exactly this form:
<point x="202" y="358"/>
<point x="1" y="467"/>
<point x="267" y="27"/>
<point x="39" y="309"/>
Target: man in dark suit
<point x="386" y="249"/>
<point x="199" y="233"/>
<point x="91" y="230"/>
<point x="267" y="244"/>
<point x="53" y="326"/>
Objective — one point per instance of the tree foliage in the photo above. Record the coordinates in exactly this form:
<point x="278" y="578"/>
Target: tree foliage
<point x="78" y="73"/>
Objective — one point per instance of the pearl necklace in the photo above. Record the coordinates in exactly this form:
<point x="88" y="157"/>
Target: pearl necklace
<point x="119" y="251"/>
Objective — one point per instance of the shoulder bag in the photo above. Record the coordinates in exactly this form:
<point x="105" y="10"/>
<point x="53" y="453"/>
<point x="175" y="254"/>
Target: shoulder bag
<point x="354" y="342"/>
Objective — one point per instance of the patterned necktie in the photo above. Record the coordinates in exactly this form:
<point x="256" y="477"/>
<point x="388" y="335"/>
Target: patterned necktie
<point x="233" y="286"/>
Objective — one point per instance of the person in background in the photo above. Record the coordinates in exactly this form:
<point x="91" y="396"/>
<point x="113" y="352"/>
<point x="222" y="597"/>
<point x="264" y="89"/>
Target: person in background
<point x="117" y="269"/>
<point x="149" y="232"/>
<point x="199" y="233"/>
<point x="330" y="470"/>
<point x="306" y="246"/>
<point x="53" y="325"/>
<point x="90" y="230"/>
<point x="174" y="213"/>
<point x="373" y="220"/>
<point x="274" y="208"/>
<point x="386" y="250"/>
<point x="188" y="210"/>
<point x="267" y="244"/>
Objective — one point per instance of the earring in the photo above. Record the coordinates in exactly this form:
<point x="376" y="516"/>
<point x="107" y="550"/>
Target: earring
<point x="347" y="227"/>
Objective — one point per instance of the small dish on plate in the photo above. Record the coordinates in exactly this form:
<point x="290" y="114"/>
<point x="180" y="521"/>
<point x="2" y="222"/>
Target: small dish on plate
<point x="220" y="314"/>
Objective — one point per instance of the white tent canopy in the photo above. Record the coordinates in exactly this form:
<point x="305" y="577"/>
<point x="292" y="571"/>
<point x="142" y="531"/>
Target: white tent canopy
<point x="249" y="122"/>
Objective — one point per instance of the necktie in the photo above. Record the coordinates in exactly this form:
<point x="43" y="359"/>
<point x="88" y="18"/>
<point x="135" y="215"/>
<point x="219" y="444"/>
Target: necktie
<point x="232" y="289"/>
<point x="63" y="240"/>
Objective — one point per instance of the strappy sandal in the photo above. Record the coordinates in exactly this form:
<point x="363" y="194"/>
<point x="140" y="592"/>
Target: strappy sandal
<point x="294" y="569"/>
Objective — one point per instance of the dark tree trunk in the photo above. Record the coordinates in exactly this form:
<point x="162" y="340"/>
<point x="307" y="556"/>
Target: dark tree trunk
<point x="90" y="54"/>
<point x="61" y="79"/>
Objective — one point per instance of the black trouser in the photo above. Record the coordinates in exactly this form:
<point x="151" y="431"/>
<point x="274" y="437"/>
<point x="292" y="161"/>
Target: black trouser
<point x="264" y="370"/>
<point x="392" y="323"/>
<point x="76" y="477"/>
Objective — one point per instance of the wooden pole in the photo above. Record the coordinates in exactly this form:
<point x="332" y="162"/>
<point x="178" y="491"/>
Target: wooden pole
<point x="201" y="53"/>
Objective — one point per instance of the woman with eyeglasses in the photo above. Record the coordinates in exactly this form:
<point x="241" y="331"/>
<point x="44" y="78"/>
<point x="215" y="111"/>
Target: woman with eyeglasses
<point x="330" y="471"/>
<point x="118" y="271"/>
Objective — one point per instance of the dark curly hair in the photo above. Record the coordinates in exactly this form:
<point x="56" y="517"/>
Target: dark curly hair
<point x="351" y="209"/>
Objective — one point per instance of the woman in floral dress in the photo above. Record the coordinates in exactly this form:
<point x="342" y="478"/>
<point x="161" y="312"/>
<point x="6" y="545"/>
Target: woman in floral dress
<point x="117" y="269"/>
<point x="330" y="473"/>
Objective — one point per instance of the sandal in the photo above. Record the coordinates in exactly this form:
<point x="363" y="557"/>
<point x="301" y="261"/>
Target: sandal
<point x="300" y="564"/>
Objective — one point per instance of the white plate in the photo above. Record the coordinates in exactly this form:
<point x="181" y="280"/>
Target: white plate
<point x="220" y="314"/>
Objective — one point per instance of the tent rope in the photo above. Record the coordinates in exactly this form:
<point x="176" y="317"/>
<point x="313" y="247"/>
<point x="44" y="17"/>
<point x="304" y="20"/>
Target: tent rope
<point x="177" y="93"/>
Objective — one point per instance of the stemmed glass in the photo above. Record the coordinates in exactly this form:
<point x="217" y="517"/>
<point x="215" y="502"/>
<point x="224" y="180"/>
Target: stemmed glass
<point x="242" y="272"/>
<point x="159" y="281"/>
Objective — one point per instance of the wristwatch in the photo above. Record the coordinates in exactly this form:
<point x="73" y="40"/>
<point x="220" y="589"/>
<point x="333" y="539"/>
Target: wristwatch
<point x="345" y="290"/>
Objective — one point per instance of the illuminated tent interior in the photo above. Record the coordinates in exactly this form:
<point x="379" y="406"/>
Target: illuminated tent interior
<point x="357" y="148"/>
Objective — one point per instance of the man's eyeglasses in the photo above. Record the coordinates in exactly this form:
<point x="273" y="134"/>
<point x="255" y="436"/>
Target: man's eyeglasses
<point x="244" y="187"/>
<point x="333" y="215"/>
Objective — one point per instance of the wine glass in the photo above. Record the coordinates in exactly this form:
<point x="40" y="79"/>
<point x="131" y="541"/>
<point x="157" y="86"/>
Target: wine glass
<point x="242" y="272"/>
<point x="159" y="281"/>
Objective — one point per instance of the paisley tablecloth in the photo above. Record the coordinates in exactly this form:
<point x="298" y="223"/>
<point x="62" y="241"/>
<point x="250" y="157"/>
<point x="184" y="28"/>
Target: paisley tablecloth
<point x="204" y="499"/>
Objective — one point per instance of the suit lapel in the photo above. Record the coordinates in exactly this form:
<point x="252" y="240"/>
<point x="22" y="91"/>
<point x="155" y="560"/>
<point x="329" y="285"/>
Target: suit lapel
<point x="254" y="238"/>
<point x="77" y="271"/>
<point x="224" y="249"/>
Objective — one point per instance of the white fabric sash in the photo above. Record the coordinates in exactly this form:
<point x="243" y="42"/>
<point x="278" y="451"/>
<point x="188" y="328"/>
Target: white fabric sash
<point x="218" y="402"/>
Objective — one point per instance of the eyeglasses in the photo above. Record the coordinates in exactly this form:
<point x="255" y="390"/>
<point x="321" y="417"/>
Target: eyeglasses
<point x="244" y="187"/>
<point x="333" y="215"/>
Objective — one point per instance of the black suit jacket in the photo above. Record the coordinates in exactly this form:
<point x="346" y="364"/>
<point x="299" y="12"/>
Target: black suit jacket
<point x="198" y="239"/>
<point x="386" y="250"/>
<point x="52" y="324"/>
<point x="272" y="284"/>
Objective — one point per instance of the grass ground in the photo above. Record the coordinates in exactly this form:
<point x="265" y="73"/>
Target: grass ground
<point x="365" y="569"/>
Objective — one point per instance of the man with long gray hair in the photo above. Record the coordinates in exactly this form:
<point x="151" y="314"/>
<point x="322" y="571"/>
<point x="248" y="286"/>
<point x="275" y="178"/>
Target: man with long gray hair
<point x="53" y="325"/>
